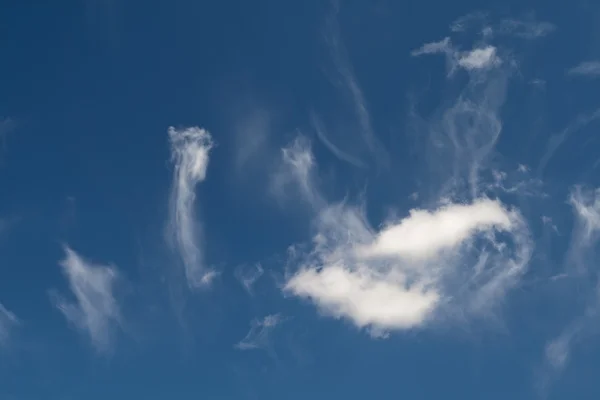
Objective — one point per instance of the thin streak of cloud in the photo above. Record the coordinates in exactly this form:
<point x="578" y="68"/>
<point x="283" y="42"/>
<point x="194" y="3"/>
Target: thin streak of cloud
<point x="339" y="153"/>
<point x="528" y="27"/>
<point x="95" y="310"/>
<point x="8" y="321"/>
<point x="558" y="139"/>
<point x="351" y="85"/>
<point x="589" y="69"/>
<point x="525" y="29"/>
<point x="442" y="46"/>
<point x="190" y="148"/>
<point x="259" y="336"/>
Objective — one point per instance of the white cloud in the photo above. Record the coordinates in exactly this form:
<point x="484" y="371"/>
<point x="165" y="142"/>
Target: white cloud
<point x="413" y="269"/>
<point x="424" y="234"/>
<point x="457" y="256"/>
<point x="588" y="68"/>
<point x="8" y="320"/>
<point x="479" y="58"/>
<point x="259" y="335"/>
<point x="483" y="57"/>
<point x="190" y="149"/>
<point x="95" y="310"/>
<point x="443" y="46"/>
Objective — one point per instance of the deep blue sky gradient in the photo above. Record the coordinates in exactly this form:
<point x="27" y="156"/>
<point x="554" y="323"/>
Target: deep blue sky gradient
<point x="91" y="87"/>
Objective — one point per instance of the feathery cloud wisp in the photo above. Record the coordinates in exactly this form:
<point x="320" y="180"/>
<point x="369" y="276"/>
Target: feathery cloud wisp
<point x="579" y="264"/>
<point x="260" y="330"/>
<point x="249" y="276"/>
<point x="95" y="310"/>
<point x="296" y="171"/>
<point x="589" y="69"/>
<point x="190" y="149"/>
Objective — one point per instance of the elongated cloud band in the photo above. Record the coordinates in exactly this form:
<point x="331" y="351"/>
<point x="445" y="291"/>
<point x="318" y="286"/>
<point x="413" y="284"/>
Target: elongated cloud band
<point x="190" y="149"/>
<point x="95" y="310"/>
<point x="587" y="68"/>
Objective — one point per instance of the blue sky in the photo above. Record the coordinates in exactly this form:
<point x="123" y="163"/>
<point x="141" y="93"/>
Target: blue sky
<point x="276" y="199"/>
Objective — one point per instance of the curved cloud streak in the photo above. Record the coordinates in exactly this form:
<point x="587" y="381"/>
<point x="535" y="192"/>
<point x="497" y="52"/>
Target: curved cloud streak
<point x="190" y="149"/>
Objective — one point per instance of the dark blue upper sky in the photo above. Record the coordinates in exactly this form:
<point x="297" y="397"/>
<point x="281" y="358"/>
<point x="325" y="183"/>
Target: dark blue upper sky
<point x="311" y="199"/>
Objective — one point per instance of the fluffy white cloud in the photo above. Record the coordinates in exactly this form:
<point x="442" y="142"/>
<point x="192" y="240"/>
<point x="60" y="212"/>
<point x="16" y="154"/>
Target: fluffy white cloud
<point x="459" y="256"/>
<point x="95" y="310"/>
<point x="424" y="234"/>
<point x="7" y="322"/>
<point x="587" y="68"/>
<point x="190" y="148"/>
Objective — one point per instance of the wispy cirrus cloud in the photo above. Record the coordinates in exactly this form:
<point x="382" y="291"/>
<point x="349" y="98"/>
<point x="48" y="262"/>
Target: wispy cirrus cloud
<point x="557" y="139"/>
<point x="352" y="91"/>
<point x="580" y="265"/>
<point x="589" y="69"/>
<point x="295" y="172"/>
<point x="260" y="331"/>
<point x="248" y="276"/>
<point x="527" y="27"/>
<point x="190" y="148"/>
<point x="95" y="310"/>
<point x="8" y="321"/>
